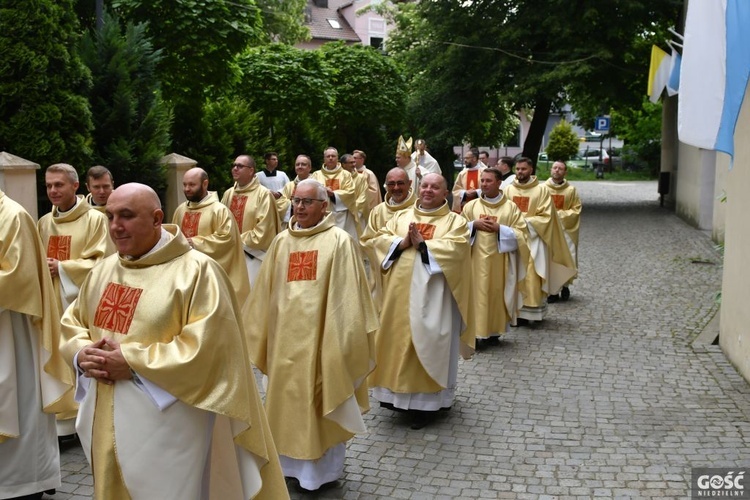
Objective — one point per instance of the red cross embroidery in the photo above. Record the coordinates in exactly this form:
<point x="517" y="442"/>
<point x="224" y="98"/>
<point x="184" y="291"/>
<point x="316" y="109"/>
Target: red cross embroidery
<point x="58" y="247"/>
<point x="559" y="201"/>
<point x="302" y="266"/>
<point x="426" y="230"/>
<point x="522" y="202"/>
<point x="333" y="184"/>
<point x="190" y="223"/>
<point x="238" y="209"/>
<point x="117" y="307"/>
<point x="488" y="217"/>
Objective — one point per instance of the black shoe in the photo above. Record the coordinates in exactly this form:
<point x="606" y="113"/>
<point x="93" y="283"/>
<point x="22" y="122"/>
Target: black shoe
<point x="565" y="293"/>
<point x="33" y="496"/>
<point x="551" y="299"/>
<point x="68" y="440"/>
<point x="522" y="322"/>
<point x="492" y="341"/>
<point x="390" y="406"/>
<point x="421" y="419"/>
<point x="480" y="345"/>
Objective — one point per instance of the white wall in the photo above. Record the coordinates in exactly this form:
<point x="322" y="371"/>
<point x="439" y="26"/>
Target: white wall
<point x="695" y="185"/>
<point x="734" y="336"/>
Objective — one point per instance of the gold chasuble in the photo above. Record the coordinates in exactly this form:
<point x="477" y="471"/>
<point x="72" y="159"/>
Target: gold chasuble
<point x="344" y="209"/>
<point x="210" y="226"/>
<point x="191" y="419"/>
<point x="98" y="208"/>
<point x="361" y="190"/>
<point x="568" y="206"/>
<point x="254" y="209"/>
<point x="497" y="278"/>
<point x="79" y="239"/>
<point x="379" y="217"/>
<point x="414" y="344"/>
<point x="284" y="202"/>
<point x="27" y="307"/>
<point x="374" y="196"/>
<point x="551" y="264"/>
<point x="467" y="180"/>
<point x="310" y="324"/>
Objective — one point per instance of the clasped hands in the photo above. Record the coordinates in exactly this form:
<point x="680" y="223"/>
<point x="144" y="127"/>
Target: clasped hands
<point x="487" y="225"/>
<point x="103" y="361"/>
<point x="413" y="237"/>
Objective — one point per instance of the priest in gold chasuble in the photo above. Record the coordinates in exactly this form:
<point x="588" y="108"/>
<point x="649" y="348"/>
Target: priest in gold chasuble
<point x="499" y="256"/>
<point x="254" y="209"/>
<point x="76" y="238"/>
<point x="466" y="187"/>
<point x="342" y="195"/>
<point x="398" y="196"/>
<point x="99" y="183"/>
<point x="551" y="265"/>
<point x="210" y="228"/>
<point x="360" y="189"/>
<point x="74" y="235"/>
<point x="302" y="167"/>
<point x="568" y="206"/>
<point x="169" y="407"/>
<point x="374" y="197"/>
<point x="33" y="375"/>
<point x="424" y="254"/>
<point x="311" y="324"/>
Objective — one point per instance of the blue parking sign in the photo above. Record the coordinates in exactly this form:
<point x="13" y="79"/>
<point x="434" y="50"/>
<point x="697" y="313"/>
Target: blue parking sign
<point x="602" y="124"/>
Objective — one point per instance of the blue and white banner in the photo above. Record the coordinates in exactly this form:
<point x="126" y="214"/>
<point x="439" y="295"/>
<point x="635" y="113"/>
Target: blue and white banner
<point x="714" y="72"/>
<point x="673" y="83"/>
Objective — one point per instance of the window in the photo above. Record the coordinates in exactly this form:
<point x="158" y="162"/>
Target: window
<point x="377" y="26"/>
<point x="334" y="24"/>
<point x="376" y="42"/>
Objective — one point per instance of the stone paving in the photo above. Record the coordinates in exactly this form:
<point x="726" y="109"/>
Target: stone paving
<point x="607" y="397"/>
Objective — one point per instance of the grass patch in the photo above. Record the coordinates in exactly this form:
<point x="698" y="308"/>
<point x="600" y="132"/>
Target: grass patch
<point x="588" y="174"/>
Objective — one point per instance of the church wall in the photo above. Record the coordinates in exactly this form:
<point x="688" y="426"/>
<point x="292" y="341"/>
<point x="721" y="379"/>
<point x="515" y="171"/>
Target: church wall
<point x="734" y="336"/>
<point x="696" y="178"/>
<point x="720" y="208"/>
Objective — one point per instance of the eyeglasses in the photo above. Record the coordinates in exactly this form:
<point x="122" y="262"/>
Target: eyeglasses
<point x="240" y="165"/>
<point x="305" y="202"/>
<point x="396" y="183"/>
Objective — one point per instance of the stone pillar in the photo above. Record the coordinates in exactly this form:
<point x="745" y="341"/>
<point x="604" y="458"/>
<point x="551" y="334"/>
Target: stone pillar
<point x="176" y="166"/>
<point x="18" y="181"/>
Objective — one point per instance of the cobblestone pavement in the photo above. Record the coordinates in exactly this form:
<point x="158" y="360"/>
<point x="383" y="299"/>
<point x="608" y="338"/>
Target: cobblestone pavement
<point x="606" y="397"/>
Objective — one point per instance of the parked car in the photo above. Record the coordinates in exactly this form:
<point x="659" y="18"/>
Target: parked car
<point x="595" y="157"/>
<point x="574" y="162"/>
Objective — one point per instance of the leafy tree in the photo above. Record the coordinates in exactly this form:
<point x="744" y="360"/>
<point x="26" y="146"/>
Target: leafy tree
<point x="368" y="111"/>
<point x="640" y="128"/>
<point x="311" y="99"/>
<point x="44" y="115"/>
<point x="283" y="20"/>
<point x="291" y="91"/>
<point x="563" y="142"/>
<point x="232" y="128"/>
<point x="131" y="120"/>
<point x="535" y="54"/>
<point x="199" y="40"/>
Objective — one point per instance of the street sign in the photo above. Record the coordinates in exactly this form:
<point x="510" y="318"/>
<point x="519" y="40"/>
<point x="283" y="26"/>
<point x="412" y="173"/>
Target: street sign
<point x="602" y="124"/>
